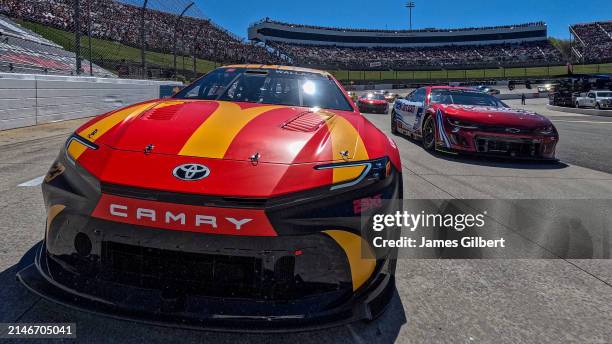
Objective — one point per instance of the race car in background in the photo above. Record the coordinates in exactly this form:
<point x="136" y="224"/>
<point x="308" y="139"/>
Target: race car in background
<point x="390" y="97"/>
<point x="463" y="120"/>
<point x="487" y="89"/>
<point x="373" y="103"/>
<point x="236" y="204"/>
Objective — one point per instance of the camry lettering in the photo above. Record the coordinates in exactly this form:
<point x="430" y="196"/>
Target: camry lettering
<point x="115" y="210"/>
<point x="151" y="215"/>
<point x="171" y="217"/>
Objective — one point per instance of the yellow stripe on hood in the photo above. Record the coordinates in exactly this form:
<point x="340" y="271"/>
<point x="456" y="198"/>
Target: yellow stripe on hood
<point x="98" y="128"/>
<point x="214" y="136"/>
<point x="344" y="137"/>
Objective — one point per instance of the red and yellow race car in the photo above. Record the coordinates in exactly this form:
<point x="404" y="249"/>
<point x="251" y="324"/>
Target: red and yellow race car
<point x="464" y="120"/>
<point x="236" y="205"/>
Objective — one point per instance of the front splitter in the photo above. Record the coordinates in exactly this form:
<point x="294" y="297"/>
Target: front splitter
<point x="367" y="307"/>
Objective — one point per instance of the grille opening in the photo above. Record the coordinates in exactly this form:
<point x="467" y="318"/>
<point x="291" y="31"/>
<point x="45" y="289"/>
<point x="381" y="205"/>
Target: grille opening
<point x="207" y="274"/>
<point x="518" y="148"/>
<point x="151" y="268"/>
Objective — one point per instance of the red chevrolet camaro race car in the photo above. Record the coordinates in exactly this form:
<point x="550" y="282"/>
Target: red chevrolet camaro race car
<point x="373" y="103"/>
<point x="234" y="205"/>
<point x="464" y="120"/>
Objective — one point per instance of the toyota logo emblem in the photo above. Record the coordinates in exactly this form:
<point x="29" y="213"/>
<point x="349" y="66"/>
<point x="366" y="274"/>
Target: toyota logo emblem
<point x="513" y="130"/>
<point x="191" y="172"/>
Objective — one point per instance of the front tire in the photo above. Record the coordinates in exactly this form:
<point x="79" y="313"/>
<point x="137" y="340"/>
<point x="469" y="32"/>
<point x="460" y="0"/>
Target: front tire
<point x="577" y="105"/>
<point x="428" y="134"/>
<point x="597" y="106"/>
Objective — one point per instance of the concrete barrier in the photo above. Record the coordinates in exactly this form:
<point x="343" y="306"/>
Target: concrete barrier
<point x="28" y="99"/>
<point x="593" y="112"/>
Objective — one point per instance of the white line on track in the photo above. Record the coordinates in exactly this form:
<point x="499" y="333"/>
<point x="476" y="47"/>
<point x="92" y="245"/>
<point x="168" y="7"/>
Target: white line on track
<point x="596" y="122"/>
<point x="33" y="182"/>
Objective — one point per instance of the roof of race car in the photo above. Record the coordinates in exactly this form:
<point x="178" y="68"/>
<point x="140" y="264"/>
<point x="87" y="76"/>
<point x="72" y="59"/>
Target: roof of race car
<point x="278" y="67"/>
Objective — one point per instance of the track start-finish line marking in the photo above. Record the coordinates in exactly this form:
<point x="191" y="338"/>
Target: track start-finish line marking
<point x="33" y="182"/>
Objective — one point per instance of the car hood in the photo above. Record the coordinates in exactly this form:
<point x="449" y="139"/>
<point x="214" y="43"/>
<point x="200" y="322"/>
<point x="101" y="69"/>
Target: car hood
<point x="494" y="116"/>
<point x="231" y="131"/>
<point x="222" y="136"/>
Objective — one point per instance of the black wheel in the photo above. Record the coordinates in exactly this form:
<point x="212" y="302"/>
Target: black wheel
<point x="393" y="124"/>
<point x="429" y="134"/>
<point x="597" y="106"/>
<point x="577" y="105"/>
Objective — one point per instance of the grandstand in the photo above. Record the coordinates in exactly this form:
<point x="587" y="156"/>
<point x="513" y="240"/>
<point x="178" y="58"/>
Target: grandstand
<point x="121" y="22"/>
<point x="22" y="51"/>
<point x="592" y="42"/>
<point x="342" y="48"/>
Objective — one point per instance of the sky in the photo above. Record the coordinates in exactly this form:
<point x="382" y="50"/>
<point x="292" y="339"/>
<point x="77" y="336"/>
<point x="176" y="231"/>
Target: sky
<point x="236" y="15"/>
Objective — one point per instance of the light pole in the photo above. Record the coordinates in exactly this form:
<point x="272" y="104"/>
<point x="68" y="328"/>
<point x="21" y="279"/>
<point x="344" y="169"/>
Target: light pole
<point x="410" y="5"/>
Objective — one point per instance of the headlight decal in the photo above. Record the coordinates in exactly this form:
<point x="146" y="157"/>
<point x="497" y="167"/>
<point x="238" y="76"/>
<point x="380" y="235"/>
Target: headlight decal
<point x="375" y="169"/>
<point x="76" y="145"/>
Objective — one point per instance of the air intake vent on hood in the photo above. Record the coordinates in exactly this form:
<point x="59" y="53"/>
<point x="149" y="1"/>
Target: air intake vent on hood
<point x="164" y="113"/>
<point x="307" y="121"/>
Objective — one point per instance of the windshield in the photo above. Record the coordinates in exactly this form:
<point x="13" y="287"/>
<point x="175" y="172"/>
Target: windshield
<point x="268" y="86"/>
<point x="463" y="97"/>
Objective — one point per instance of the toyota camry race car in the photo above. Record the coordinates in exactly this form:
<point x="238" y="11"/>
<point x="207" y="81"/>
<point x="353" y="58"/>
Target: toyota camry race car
<point x="234" y="205"/>
<point x="463" y="120"/>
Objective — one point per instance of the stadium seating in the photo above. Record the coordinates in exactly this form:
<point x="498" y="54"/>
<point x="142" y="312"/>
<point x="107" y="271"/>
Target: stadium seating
<point x="593" y="41"/>
<point x="532" y="53"/>
<point x="120" y="22"/>
<point x="346" y="48"/>
<point x="22" y="51"/>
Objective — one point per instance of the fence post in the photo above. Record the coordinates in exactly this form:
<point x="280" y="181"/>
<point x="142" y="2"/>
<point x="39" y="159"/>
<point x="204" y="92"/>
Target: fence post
<point x="77" y="35"/>
<point x="143" y="58"/>
<point x="178" y="20"/>
<point x="89" y="37"/>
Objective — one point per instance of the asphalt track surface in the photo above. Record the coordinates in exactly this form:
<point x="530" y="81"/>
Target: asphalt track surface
<point x="437" y="301"/>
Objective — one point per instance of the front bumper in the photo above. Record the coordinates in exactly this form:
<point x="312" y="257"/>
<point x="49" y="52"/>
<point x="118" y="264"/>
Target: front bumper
<point x="303" y="278"/>
<point x="520" y="146"/>
<point x="134" y="300"/>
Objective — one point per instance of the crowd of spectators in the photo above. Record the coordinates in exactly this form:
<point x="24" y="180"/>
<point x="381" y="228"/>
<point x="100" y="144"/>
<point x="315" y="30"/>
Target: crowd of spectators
<point x="528" y="53"/>
<point x="343" y="29"/>
<point x="594" y="41"/>
<point x="120" y="22"/>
